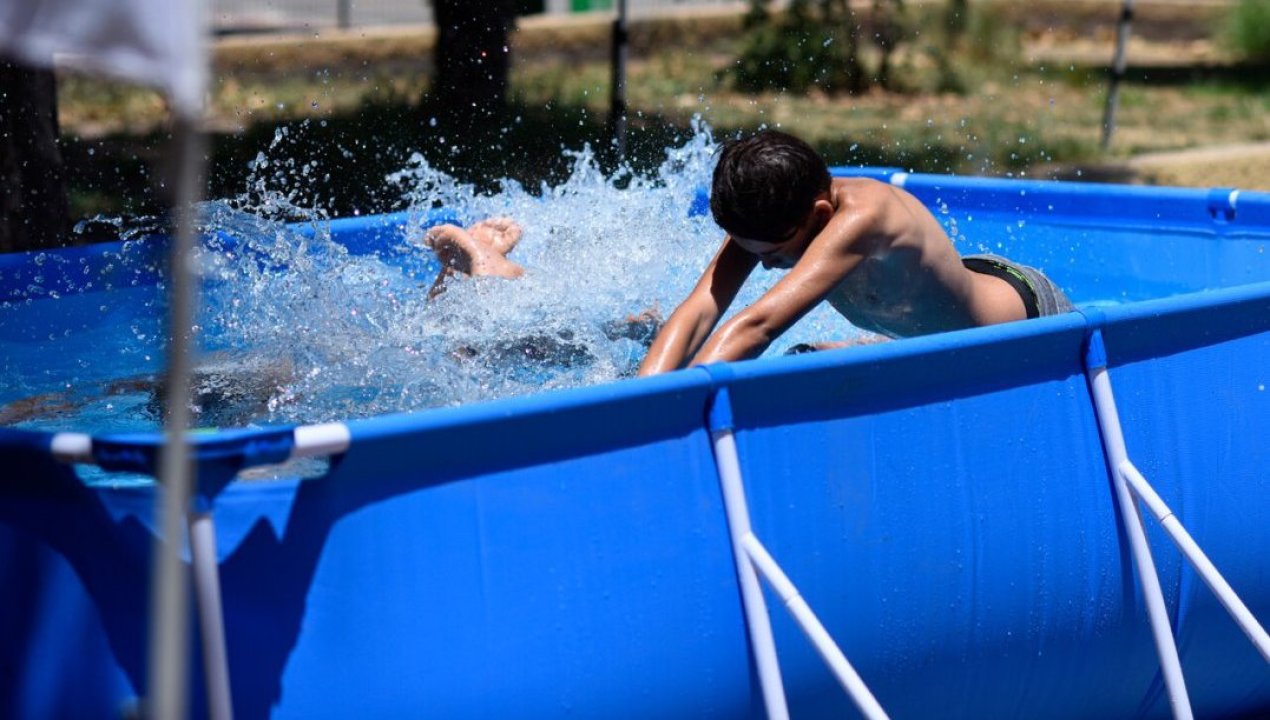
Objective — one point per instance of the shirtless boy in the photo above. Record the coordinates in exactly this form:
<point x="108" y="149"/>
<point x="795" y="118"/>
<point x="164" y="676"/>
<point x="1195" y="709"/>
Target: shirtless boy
<point x="870" y="249"/>
<point x="227" y="392"/>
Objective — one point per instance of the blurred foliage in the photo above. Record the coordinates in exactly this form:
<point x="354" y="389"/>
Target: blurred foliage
<point x="827" y="45"/>
<point x="806" y="46"/>
<point x="955" y="18"/>
<point x="356" y="120"/>
<point x="1247" y="29"/>
<point x="966" y="38"/>
<point x="891" y="27"/>
<point x="339" y="164"/>
<point x="992" y="36"/>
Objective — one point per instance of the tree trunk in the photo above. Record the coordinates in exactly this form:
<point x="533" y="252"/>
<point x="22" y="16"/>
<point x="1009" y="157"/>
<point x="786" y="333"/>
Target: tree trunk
<point x="472" y="57"/>
<point x="838" y="13"/>
<point x="956" y="17"/>
<point x="33" y="207"/>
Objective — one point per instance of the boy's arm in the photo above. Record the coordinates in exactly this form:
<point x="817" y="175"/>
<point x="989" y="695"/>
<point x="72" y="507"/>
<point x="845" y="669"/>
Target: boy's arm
<point x="690" y="324"/>
<point x="825" y="264"/>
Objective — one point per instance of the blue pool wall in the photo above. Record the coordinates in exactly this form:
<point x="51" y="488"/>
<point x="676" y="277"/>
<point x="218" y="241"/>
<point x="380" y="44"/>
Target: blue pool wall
<point x="943" y="503"/>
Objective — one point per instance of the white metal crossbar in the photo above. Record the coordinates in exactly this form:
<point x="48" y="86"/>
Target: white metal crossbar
<point x="1130" y="485"/>
<point x="310" y="441"/>
<point x="752" y="559"/>
<point x="1191" y="550"/>
<point x="810" y="624"/>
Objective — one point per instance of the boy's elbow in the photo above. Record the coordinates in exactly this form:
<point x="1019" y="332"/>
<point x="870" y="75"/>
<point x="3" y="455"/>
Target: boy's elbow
<point x="696" y="313"/>
<point x="756" y="330"/>
<point x="742" y="339"/>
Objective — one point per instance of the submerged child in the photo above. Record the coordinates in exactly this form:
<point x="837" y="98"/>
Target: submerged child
<point x="224" y="392"/>
<point x="870" y="249"/>
<point x="234" y="392"/>
<point x="481" y="250"/>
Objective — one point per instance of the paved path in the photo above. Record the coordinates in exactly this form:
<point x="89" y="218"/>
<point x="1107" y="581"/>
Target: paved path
<point x="1213" y="154"/>
<point x="231" y="16"/>
<point x="1245" y="166"/>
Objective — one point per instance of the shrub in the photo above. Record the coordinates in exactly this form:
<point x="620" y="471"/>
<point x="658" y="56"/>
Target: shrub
<point x="1248" y="29"/>
<point x="799" y="51"/>
<point x="991" y="34"/>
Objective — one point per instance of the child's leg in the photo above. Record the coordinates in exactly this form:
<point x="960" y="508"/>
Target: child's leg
<point x="460" y="252"/>
<point x="501" y="233"/>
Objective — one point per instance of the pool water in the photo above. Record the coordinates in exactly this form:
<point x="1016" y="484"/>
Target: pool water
<point x="295" y="328"/>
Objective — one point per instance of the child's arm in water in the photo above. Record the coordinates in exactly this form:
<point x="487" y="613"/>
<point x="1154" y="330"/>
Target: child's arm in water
<point x="829" y="258"/>
<point x="690" y="324"/>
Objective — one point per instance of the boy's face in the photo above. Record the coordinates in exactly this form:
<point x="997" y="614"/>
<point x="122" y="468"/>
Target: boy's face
<point x="783" y="252"/>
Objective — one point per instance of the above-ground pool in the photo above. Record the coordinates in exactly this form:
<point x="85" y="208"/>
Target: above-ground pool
<point x="946" y="505"/>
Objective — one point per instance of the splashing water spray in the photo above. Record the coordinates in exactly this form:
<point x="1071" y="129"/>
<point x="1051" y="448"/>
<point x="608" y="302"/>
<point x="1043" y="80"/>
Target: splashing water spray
<point x="296" y="328"/>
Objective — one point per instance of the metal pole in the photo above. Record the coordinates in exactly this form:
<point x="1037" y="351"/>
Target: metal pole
<point x="1222" y="589"/>
<point x="344" y="14"/>
<point x="210" y="618"/>
<point x="169" y="621"/>
<point x="756" y="617"/>
<point x="815" y="631"/>
<point x="1113" y="443"/>
<point x="617" y="110"/>
<point x="1118" y="66"/>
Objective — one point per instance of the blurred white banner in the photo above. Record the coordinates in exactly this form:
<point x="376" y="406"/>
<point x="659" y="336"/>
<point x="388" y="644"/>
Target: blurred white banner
<point x="153" y="42"/>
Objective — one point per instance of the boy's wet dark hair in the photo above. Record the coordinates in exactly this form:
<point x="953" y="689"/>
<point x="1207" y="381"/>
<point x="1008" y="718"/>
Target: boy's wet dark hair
<point x="764" y="185"/>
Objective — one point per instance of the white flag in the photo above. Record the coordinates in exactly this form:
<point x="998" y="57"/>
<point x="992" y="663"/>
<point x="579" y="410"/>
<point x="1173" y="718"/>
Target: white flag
<point x="152" y="42"/>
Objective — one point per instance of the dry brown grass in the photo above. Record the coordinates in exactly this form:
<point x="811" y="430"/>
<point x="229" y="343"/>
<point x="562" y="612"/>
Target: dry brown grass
<point x="1041" y="111"/>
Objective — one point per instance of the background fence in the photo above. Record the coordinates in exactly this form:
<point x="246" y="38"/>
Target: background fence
<point x="234" y="16"/>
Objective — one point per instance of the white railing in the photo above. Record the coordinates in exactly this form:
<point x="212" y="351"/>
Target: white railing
<point x="752" y="560"/>
<point x="1190" y="549"/>
<point x="1131" y="486"/>
<point x="200" y="528"/>
<point x="253" y="15"/>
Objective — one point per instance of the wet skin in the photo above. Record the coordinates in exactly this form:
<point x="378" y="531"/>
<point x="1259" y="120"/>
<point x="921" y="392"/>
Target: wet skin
<point x="871" y="250"/>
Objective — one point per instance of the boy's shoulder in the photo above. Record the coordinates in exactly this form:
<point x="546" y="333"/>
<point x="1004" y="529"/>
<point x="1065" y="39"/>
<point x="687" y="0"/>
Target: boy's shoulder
<point x="860" y="200"/>
<point x="860" y="190"/>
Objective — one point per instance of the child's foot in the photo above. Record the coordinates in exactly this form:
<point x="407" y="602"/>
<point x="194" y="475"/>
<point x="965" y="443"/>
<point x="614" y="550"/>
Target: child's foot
<point x="502" y="234"/>
<point x="641" y="328"/>
<point x="459" y="251"/>
<point x="863" y="339"/>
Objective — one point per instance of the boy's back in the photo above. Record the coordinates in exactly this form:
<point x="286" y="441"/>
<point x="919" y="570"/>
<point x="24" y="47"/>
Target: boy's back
<point x="910" y="279"/>
<point x="873" y="251"/>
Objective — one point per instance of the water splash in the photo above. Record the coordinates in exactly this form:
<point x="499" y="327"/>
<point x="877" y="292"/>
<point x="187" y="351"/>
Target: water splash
<point x="296" y="327"/>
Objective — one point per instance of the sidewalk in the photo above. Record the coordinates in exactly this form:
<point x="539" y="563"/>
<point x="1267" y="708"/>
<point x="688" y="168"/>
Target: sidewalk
<point x="1245" y="166"/>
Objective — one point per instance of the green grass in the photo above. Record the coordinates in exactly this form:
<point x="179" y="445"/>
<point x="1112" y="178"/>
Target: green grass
<point x="1247" y="30"/>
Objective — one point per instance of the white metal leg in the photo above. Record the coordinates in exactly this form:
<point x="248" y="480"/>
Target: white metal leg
<point x="1113" y="442"/>
<point x="210" y="618"/>
<point x="815" y="631"/>
<point x="1191" y="550"/>
<point x="752" y="558"/>
<point x="756" y="617"/>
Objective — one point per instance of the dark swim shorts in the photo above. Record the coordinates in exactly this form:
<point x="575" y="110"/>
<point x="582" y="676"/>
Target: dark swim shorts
<point x="1040" y="295"/>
